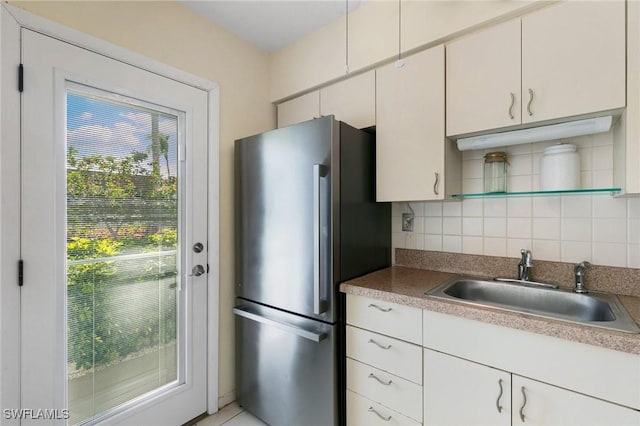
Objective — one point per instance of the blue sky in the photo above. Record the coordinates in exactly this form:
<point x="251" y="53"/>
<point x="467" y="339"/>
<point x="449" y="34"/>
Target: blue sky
<point x="105" y="127"/>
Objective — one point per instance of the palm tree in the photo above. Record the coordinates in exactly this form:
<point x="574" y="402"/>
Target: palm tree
<point x="159" y="145"/>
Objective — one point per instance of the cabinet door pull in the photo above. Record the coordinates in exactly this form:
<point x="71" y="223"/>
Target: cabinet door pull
<point x="379" y="380"/>
<point x="513" y="102"/>
<point x="498" y="406"/>
<point x="373" y="410"/>
<point x="379" y="308"/>
<point x="530" y="101"/>
<point x="385" y="347"/>
<point x="436" y="183"/>
<point x="524" y="402"/>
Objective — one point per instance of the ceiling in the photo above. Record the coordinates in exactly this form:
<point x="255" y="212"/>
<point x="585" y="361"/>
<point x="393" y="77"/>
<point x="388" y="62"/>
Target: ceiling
<point x="271" y="24"/>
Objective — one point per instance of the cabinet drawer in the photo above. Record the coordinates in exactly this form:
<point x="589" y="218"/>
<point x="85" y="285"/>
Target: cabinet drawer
<point x="391" y="391"/>
<point x="360" y="411"/>
<point x="402" y="322"/>
<point x="391" y="355"/>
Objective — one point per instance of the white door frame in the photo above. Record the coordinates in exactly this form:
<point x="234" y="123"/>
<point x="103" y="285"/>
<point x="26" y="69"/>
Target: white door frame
<point x="12" y="19"/>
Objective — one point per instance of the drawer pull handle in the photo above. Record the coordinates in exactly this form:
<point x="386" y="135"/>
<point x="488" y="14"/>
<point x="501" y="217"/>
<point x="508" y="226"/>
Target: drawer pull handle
<point x="498" y="406"/>
<point x="373" y="410"/>
<point x="379" y="380"/>
<point x="385" y="347"/>
<point x="524" y="402"/>
<point x="379" y="308"/>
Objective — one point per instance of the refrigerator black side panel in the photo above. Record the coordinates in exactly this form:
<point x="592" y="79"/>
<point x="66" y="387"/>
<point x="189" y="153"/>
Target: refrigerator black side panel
<point x="365" y="226"/>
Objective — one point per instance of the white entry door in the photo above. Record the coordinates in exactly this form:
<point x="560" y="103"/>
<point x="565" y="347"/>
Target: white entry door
<point x="113" y="238"/>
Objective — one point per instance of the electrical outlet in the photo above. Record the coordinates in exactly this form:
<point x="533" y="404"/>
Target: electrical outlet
<point x="409" y="241"/>
<point x="407" y="222"/>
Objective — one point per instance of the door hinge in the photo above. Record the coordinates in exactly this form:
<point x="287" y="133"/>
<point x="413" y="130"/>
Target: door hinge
<point x="20" y="272"/>
<point x="20" y="78"/>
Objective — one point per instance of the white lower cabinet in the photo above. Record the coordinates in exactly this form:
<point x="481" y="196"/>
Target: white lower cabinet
<point x="470" y="373"/>
<point x="392" y="391"/>
<point x="465" y="393"/>
<point x="384" y="363"/>
<point x="392" y="355"/>
<point x="536" y="403"/>
<point x="460" y="392"/>
<point x="364" y="412"/>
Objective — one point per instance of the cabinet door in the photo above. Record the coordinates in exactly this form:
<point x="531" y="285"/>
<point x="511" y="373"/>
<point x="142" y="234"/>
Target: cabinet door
<point x="352" y="101"/>
<point x="460" y="392"/>
<point x="410" y="128"/>
<point x="297" y="110"/>
<point x="573" y="59"/>
<point x="483" y="80"/>
<point x="536" y="403"/>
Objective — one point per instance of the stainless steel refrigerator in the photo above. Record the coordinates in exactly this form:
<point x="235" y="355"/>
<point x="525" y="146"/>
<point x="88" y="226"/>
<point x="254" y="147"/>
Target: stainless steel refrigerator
<point x="306" y="220"/>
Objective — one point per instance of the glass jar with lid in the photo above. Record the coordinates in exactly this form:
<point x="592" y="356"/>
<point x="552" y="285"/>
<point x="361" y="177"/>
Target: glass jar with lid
<point x="495" y="172"/>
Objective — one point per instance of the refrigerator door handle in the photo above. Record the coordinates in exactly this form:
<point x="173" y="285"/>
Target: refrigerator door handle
<point x="306" y="334"/>
<point x="319" y="171"/>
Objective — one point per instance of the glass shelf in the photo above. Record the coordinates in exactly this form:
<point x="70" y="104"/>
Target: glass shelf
<point x="534" y="193"/>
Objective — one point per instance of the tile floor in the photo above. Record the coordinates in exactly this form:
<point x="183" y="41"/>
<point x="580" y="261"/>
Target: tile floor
<point x="231" y="415"/>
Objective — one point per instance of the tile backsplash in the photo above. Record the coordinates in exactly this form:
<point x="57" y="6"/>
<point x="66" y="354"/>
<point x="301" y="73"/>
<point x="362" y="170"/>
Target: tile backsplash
<point x="566" y="228"/>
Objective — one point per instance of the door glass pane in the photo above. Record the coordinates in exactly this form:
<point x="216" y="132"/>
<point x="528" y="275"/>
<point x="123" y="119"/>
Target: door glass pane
<point x="122" y="252"/>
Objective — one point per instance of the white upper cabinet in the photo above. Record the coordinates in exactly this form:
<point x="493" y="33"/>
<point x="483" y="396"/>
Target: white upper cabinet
<point x="410" y="143"/>
<point x="483" y="80"/>
<point x="352" y="101"/>
<point x="573" y="59"/>
<point x="297" y="110"/>
<point x="573" y="63"/>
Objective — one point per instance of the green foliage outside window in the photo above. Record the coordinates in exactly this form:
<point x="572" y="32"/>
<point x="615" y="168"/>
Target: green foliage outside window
<point x="119" y="207"/>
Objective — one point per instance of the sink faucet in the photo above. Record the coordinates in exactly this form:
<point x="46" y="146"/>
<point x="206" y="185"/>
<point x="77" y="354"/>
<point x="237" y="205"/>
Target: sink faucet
<point x="578" y="270"/>
<point x="525" y="265"/>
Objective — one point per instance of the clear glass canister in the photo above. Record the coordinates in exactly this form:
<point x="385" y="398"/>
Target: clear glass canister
<point x="495" y="172"/>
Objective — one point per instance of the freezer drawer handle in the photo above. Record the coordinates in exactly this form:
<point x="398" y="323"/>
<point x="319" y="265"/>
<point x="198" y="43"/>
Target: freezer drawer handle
<point x="372" y="305"/>
<point x="373" y="410"/>
<point x="319" y="171"/>
<point x="379" y="345"/>
<point x="309" y="335"/>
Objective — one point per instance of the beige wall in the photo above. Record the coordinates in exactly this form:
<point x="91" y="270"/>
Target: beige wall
<point x="373" y="38"/>
<point x="171" y="33"/>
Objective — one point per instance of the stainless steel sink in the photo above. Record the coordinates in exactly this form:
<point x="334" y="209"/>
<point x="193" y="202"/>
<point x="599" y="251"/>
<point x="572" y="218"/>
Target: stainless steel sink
<point x="595" y="309"/>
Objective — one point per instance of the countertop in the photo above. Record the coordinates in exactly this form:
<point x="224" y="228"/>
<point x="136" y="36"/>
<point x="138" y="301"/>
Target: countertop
<point x="406" y="286"/>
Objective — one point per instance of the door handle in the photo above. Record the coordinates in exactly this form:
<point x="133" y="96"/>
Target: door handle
<point x="306" y="334"/>
<point x="513" y="101"/>
<point x="524" y="403"/>
<point x="498" y="406"/>
<point x="530" y="101"/>
<point x="318" y="172"/>
<point x="197" y="271"/>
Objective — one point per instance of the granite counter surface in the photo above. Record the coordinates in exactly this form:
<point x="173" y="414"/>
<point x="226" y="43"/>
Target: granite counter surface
<point x="407" y="286"/>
